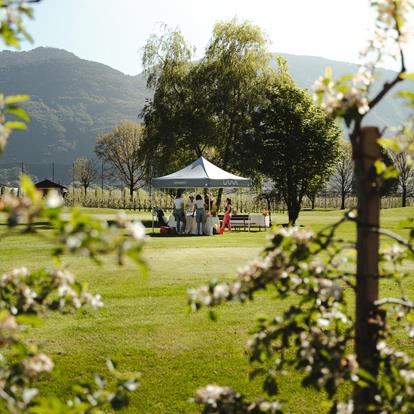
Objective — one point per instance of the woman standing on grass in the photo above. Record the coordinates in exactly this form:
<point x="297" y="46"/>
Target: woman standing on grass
<point x="179" y="214"/>
<point x="189" y="217"/>
<point x="199" y="213"/>
<point x="227" y="216"/>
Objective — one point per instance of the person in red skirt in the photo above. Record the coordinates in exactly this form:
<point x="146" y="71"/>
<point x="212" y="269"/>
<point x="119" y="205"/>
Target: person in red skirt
<point x="227" y="216"/>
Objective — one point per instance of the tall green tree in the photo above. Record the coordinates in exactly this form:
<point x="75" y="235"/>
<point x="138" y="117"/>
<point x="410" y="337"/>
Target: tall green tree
<point x="209" y="107"/>
<point x="205" y="107"/>
<point x="295" y="143"/>
<point x="236" y="66"/>
<point x="169" y="116"/>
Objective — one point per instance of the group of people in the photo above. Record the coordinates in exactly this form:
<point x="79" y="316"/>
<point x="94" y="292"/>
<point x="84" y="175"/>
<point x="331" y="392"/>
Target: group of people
<point x="198" y="209"/>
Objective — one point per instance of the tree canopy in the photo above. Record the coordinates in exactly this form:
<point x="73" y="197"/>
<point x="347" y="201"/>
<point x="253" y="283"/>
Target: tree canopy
<point x="203" y="108"/>
<point x="294" y="141"/>
<point x="212" y="108"/>
<point x="84" y="171"/>
<point x="121" y="148"/>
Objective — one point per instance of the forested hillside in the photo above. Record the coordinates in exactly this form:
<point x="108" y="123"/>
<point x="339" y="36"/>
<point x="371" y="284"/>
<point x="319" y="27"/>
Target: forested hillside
<point x="73" y="100"/>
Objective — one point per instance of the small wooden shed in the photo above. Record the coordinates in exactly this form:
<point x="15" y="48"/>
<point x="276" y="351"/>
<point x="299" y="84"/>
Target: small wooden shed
<point x="46" y="185"/>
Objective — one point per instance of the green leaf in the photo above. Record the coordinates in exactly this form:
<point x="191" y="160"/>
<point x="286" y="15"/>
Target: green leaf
<point x="391" y="172"/>
<point x="388" y="143"/>
<point x="29" y="189"/>
<point x="408" y="75"/>
<point x="405" y="94"/>
<point x="19" y="112"/>
<point x="345" y="78"/>
<point x="31" y="320"/>
<point x="12" y="99"/>
<point x="15" y="125"/>
<point x="364" y="375"/>
<point x="380" y="167"/>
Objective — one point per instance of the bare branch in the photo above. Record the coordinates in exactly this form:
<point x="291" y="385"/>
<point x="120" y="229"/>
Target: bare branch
<point x="394" y="301"/>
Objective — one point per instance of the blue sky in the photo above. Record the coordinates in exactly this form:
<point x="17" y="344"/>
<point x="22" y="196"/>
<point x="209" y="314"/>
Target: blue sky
<point x="113" y="32"/>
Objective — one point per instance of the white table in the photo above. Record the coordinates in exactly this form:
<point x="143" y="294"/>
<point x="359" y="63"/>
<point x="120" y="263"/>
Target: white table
<point x="191" y="225"/>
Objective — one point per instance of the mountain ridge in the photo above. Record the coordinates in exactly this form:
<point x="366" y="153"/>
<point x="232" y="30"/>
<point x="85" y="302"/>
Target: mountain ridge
<point x="74" y="99"/>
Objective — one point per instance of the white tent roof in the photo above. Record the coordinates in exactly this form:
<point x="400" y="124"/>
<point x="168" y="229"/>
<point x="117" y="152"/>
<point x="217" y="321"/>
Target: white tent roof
<point x="201" y="173"/>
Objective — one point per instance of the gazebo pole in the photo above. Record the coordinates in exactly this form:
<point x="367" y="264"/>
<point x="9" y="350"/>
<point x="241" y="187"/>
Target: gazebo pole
<point x="209" y="212"/>
<point x="152" y="207"/>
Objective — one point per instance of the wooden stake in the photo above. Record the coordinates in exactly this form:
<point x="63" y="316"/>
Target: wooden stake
<point x="366" y="151"/>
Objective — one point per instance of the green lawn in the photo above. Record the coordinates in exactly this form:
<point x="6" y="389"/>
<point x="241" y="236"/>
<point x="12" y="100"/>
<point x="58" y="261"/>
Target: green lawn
<point x="145" y="324"/>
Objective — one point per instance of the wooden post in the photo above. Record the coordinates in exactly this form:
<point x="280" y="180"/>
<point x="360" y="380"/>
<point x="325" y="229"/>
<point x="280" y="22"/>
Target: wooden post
<point x="366" y="151"/>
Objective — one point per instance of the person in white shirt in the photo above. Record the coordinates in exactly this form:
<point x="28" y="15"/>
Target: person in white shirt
<point x="189" y="217"/>
<point x="199" y="213"/>
<point x="179" y="213"/>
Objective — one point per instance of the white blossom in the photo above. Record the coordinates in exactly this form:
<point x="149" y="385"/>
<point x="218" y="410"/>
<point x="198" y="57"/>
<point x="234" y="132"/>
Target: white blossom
<point x="63" y="276"/>
<point x="37" y="364"/>
<point x="54" y="200"/>
<point x="73" y="242"/>
<point x="345" y="408"/>
<point x="221" y="291"/>
<point x="136" y="229"/>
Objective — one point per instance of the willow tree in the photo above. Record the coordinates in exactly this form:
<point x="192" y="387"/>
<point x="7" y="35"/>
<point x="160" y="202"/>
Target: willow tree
<point x="205" y="107"/>
<point x="236" y="67"/>
<point x="169" y="116"/>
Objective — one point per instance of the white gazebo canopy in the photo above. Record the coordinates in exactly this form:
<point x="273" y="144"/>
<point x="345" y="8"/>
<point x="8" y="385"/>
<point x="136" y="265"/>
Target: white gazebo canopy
<point x="201" y="174"/>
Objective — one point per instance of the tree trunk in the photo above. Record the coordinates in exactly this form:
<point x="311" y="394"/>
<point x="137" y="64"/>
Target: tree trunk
<point x="404" y="197"/>
<point x="313" y="203"/>
<point x="293" y="212"/>
<point x="269" y="207"/>
<point x="219" y="197"/>
<point x="343" y="196"/>
<point x="366" y="152"/>
<point x="85" y="188"/>
<point x="131" y="192"/>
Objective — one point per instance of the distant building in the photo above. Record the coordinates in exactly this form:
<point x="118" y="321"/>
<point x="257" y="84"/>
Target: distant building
<point x="46" y="185"/>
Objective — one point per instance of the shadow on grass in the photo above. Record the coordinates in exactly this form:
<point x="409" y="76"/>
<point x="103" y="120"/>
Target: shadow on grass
<point x="38" y="225"/>
<point x="320" y="210"/>
<point x="177" y="235"/>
